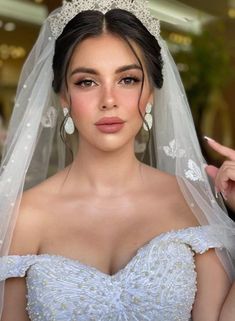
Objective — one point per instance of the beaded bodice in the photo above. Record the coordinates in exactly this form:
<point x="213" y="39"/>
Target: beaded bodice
<point x="158" y="284"/>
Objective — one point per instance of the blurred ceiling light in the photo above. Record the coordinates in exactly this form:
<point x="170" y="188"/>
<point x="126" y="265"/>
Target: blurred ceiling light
<point x="17" y="52"/>
<point x="180" y="15"/>
<point x="13" y="52"/>
<point x="180" y="39"/>
<point x="23" y="11"/>
<point x="232" y="3"/>
<point x="4" y="52"/>
<point x="10" y="26"/>
<point x="182" y="67"/>
<point x="231" y="13"/>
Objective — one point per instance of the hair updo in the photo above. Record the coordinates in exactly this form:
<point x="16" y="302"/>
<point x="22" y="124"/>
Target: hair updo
<point x="92" y="23"/>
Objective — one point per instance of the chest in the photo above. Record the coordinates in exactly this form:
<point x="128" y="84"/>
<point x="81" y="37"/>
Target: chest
<point x="159" y="283"/>
<point x="106" y="237"/>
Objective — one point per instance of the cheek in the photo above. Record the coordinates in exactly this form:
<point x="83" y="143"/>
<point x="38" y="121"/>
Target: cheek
<point x="143" y="104"/>
<point x="134" y="106"/>
<point x="81" y="106"/>
<point x="130" y="100"/>
<point x="145" y="99"/>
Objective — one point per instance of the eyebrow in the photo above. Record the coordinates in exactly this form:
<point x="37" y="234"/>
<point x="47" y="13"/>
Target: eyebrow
<point x="95" y="72"/>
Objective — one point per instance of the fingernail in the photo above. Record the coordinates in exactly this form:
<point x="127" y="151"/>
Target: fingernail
<point x="224" y="195"/>
<point x="204" y="166"/>
<point x="216" y="192"/>
<point x="208" y="139"/>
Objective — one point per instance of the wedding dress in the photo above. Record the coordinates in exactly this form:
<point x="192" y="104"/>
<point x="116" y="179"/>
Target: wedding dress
<point x="158" y="283"/>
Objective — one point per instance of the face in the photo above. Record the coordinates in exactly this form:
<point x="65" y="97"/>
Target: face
<point x="104" y="80"/>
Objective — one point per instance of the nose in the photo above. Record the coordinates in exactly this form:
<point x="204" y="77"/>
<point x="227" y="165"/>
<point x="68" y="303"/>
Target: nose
<point x="108" y="100"/>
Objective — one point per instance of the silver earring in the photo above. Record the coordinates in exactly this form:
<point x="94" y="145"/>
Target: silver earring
<point x="148" y="117"/>
<point x="69" y="124"/>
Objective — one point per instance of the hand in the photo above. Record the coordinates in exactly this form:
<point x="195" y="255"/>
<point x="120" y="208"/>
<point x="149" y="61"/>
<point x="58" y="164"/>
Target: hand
<point x="223" y="177"/>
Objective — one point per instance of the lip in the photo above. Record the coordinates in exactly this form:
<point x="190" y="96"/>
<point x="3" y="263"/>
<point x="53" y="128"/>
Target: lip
<point x="110" y="121"/>
<point x="110" y="128"/>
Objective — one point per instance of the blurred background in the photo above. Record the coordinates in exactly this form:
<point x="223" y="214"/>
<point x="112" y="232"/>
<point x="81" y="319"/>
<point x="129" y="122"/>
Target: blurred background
<point x="200" y="34"/>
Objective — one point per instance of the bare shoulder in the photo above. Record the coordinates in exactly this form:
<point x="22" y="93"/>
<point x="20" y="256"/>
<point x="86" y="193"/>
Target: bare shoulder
<point x="28" y="226"/>
<point x="32" y="217"/>
<point x="167" y="186"/>
<point x="213" y="285"/>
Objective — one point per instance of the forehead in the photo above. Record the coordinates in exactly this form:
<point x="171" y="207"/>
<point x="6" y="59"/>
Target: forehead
<point x="106" y="50"/>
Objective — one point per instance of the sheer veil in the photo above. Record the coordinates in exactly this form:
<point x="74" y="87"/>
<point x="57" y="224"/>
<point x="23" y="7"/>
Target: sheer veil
<point x="33" y="141"/>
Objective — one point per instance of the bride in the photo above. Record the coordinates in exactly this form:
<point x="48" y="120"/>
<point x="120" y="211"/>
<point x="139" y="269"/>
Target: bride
<point x="108" y="237"/>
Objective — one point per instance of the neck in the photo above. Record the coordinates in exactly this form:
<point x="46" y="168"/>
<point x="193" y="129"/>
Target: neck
<point x="106" y="173"/>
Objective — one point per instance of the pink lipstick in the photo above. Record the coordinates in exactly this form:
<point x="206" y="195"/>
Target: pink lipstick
<point x="110" y="124"/>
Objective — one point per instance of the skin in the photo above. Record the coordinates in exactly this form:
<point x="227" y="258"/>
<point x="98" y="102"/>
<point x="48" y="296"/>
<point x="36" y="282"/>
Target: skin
<point x="224" y="180"/>
<point x="107" y="204"/>
<point x="224" y="177"/>
<point x="228" y="311"/>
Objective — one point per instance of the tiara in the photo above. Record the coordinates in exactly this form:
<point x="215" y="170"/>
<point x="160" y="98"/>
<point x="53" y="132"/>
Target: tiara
<point x="71" y="8"/>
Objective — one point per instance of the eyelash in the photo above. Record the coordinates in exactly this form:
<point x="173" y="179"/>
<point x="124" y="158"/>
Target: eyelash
<point x="81" y="83"/>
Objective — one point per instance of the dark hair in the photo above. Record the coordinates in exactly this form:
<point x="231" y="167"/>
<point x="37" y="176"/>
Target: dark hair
<point x="92" y="23"/>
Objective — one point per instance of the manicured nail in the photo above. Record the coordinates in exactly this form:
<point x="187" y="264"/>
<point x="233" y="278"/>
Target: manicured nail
<point x="216" y="192"/>
<point x="204" y="166"/>
<point x="224" y="196"/>
<point x="208" y="139"/>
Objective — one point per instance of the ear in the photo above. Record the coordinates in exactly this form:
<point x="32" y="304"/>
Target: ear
<point x="64" y="100"/>
<point x="151" y="97"/>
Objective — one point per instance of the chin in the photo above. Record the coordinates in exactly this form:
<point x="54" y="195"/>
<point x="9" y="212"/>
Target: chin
<point x="109" y="149"/>
<point x="110" y="142"/>
<point x="111" y="146"/>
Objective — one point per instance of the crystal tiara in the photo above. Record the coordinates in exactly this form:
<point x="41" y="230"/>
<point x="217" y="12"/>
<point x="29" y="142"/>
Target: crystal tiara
<point x="71" y="8"/>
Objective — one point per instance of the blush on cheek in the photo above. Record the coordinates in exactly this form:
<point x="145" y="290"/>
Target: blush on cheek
<point x="129" y="101"/>
<point x="84" y="99"/>
<point x="79" y="104"/>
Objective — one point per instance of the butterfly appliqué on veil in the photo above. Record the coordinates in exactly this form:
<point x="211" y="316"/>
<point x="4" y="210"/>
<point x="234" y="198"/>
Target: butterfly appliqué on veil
<point x="173" y="151"/>
<point x="49" y="119"/>
<point x="193" y="171"/>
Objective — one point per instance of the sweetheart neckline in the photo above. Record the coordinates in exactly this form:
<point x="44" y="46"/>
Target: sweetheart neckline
<point x="130" y="262"/>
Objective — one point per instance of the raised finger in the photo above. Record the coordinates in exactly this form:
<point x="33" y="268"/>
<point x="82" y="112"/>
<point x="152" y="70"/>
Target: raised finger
<point x="221" y="149"/>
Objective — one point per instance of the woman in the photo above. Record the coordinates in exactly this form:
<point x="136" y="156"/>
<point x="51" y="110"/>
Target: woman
<point x="108" y="237"/>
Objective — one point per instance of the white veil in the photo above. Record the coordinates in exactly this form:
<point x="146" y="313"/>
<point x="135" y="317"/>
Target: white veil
<point x="33" y="142"/>
<point x="178" y="152"/>
<point x="34" y="129"/>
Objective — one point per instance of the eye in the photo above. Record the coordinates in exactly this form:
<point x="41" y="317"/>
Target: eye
<point x="130" y="80"/>
<point x="85" y="83"/>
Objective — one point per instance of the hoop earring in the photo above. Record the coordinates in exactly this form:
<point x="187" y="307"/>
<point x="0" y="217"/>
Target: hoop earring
<point x="148" y="117"/>
<point x="68" y="124"/>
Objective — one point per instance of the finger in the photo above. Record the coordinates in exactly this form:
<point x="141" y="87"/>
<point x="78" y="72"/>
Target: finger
<point x="227" y="171"/>
<point x="221" y="149"/>
<point x="212" y="171"/>
<point x="224" y="178"/>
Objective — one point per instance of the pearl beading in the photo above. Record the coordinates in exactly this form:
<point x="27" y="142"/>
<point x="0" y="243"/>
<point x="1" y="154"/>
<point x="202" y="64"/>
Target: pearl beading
<point x="70" y="9"/>
<point x="159" y="282"/>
